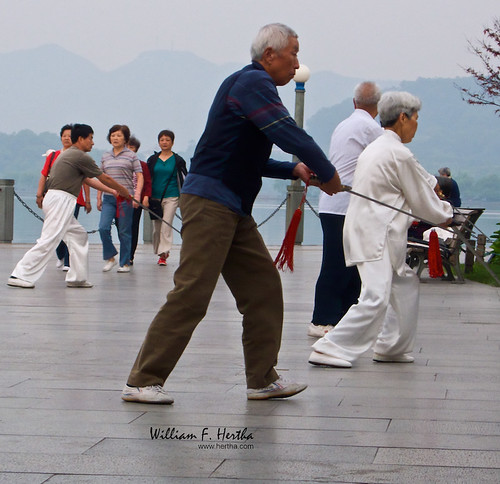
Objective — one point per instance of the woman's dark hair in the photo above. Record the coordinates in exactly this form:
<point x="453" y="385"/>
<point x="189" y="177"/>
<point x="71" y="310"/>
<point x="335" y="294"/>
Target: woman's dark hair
<point x="166" y="132"/>
<point x="133" y="141"/>
<point x="65" y="128"/>
<point x="119" y="127"/>
<point x="445" y="185"/>
<point x="83" y="130"/>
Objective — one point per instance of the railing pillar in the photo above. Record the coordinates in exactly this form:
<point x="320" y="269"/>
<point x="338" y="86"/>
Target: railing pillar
<point x="147" y="228"/>
<point x="469" y="258"/>
<point x="6" y="211"/>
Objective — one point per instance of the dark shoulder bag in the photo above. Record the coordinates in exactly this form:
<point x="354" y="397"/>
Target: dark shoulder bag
<point x="155" y="204"/>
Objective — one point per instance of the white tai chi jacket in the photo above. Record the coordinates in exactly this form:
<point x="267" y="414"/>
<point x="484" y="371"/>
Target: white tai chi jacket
<point x="387" y="171"/>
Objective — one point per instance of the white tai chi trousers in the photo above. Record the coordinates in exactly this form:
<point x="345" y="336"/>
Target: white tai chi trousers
<point x="163" y="234"/>
<point x="385" y="316"/>
<point x="59" y="224"/>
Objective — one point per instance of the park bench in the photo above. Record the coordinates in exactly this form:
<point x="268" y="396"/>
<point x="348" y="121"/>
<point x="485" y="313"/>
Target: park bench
<point x="450" y="248"/>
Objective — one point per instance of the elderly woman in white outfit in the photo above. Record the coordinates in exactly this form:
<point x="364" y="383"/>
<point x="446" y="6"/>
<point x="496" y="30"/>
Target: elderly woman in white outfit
<point x="375" y="238"/>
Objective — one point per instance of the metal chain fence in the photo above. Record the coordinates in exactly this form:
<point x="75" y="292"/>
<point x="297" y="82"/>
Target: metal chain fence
<point x="275" y="211"/>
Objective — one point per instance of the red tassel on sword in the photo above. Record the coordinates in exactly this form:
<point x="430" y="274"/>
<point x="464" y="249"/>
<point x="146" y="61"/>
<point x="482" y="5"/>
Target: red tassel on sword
<point x="434" y="256"/>
<point x="284" y="258"/>
<point x="119" y="200"/>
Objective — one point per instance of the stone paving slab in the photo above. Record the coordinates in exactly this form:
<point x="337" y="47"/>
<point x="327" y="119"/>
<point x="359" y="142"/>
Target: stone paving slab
<point x="65" y="355"/>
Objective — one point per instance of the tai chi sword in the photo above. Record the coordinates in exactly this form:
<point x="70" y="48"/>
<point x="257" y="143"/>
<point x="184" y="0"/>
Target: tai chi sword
<point x="454" y="229"/>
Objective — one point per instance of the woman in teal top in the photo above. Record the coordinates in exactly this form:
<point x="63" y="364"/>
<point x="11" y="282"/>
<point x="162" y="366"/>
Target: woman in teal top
<point x="168" y="171"/>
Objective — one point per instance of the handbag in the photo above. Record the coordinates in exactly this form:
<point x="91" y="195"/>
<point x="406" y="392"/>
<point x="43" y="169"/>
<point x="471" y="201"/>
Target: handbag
<point x="155" y="205"/>
<point x="156" y="208"/>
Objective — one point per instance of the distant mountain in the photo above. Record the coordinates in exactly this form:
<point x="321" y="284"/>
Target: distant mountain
<point x="41" y="89"/>
<point x="450" y="133"/>
<point x="44" y="88"/>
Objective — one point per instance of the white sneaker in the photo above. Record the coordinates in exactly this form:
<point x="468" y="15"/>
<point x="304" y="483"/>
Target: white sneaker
<point x="281" y="388"/>
<point x="318" y="330"/>
<point x="15" y="282"/>
<point x="59" y="263"/>
<point x="151" y="394"/>
<point x="402" y="358"/>
<point x="125" y="268"/>
<point x="109" y="265"/>
<point x="79" y="284"/>
<point x="65" y="268"/>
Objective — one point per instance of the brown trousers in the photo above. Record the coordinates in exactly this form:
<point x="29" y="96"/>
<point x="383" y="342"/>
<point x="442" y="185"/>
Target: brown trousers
<point x="215" y="241"/>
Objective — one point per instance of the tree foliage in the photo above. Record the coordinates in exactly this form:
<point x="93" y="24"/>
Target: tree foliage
<point x="487" y="92"/>
<point x="495" y="247"/>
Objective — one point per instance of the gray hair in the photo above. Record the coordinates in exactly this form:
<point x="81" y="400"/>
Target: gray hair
<point x="367" y="94"/>
<point x="393" y="103"/>
<point x="445" y="171"/>
<point x="272" y="35"/>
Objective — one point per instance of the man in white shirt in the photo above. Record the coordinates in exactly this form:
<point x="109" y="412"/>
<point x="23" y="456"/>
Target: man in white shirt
<point x="375" y="239"/>
<point x="338" y="286"/>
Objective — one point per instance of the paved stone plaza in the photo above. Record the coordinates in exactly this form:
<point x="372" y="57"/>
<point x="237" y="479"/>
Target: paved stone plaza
<point x="65" y="355"/>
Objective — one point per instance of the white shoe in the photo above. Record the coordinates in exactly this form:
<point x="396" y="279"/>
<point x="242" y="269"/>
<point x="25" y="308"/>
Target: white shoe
<point x="125" y="268"/>
<point x="65" y="268"/>
<point x="79" y="284"/>
<point x="109" y="265"/>
<point x="151" y="394"/>
<point x="15" y="282"/>
<point x="318" y="330"/>
<point x="321" y="359"/>
<point x="280" y="388"/>
<point x="402" y="358"/>
<point x="59" y="263"/>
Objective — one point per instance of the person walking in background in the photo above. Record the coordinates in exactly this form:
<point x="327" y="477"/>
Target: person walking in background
<point x="134" y="144"/>
<point x="83" y="199"/>
<point x="338" y="286"/>
<point x="120" y="163"/>
<point x="168" y="170"/>
<point x="375" y="239"/>
<point x="454" y="196"/>
<point x="73" y="168"/>
<point x="219" y="234"/>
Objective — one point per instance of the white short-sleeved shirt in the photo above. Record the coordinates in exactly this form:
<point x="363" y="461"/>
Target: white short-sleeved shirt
<point x="348" y="140"/>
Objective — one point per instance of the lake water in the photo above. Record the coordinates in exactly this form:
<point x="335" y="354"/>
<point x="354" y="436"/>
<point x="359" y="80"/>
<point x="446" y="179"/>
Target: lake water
<point x="27" y="228"/>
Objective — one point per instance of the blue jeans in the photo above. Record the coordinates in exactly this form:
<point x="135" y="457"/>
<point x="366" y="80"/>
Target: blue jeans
<point x="123" y="224"/>
<point x="338" y="286"/>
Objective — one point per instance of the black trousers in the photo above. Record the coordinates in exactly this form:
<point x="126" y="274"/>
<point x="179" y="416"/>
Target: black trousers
<point x="338" y="286"/>
<point x="136" y="220"/>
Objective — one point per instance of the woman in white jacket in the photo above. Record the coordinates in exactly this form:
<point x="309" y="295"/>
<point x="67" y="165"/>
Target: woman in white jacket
<point x="375" y="238"/>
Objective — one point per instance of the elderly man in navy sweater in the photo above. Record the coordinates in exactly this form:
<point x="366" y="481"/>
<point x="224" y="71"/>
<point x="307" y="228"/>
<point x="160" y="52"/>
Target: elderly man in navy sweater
<point x="219" y="235"/>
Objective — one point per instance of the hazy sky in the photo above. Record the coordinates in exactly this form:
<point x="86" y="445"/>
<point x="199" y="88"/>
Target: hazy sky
<point x="378" y="39"/>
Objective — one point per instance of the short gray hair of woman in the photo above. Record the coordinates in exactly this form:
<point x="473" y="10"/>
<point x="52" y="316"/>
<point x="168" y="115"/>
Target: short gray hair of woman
<point x="393" y="103"/>
<point x="272" y="35"/>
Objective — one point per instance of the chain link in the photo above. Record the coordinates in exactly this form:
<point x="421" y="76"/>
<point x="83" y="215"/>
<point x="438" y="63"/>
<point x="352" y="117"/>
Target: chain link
<point x="313" y="210"/>
<point x="27" y="207"/>
<point x="30" y="210"/>
<point x="276" y="210"/>
<point x="272" y="214"/>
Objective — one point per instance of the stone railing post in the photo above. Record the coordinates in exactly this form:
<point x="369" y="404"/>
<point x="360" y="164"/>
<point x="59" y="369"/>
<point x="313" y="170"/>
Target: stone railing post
<point x="6" y="211"/>
<point x="147" y="228"/>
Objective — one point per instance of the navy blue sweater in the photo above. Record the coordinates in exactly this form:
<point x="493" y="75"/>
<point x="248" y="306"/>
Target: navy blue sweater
<point x="246" y="118"/>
